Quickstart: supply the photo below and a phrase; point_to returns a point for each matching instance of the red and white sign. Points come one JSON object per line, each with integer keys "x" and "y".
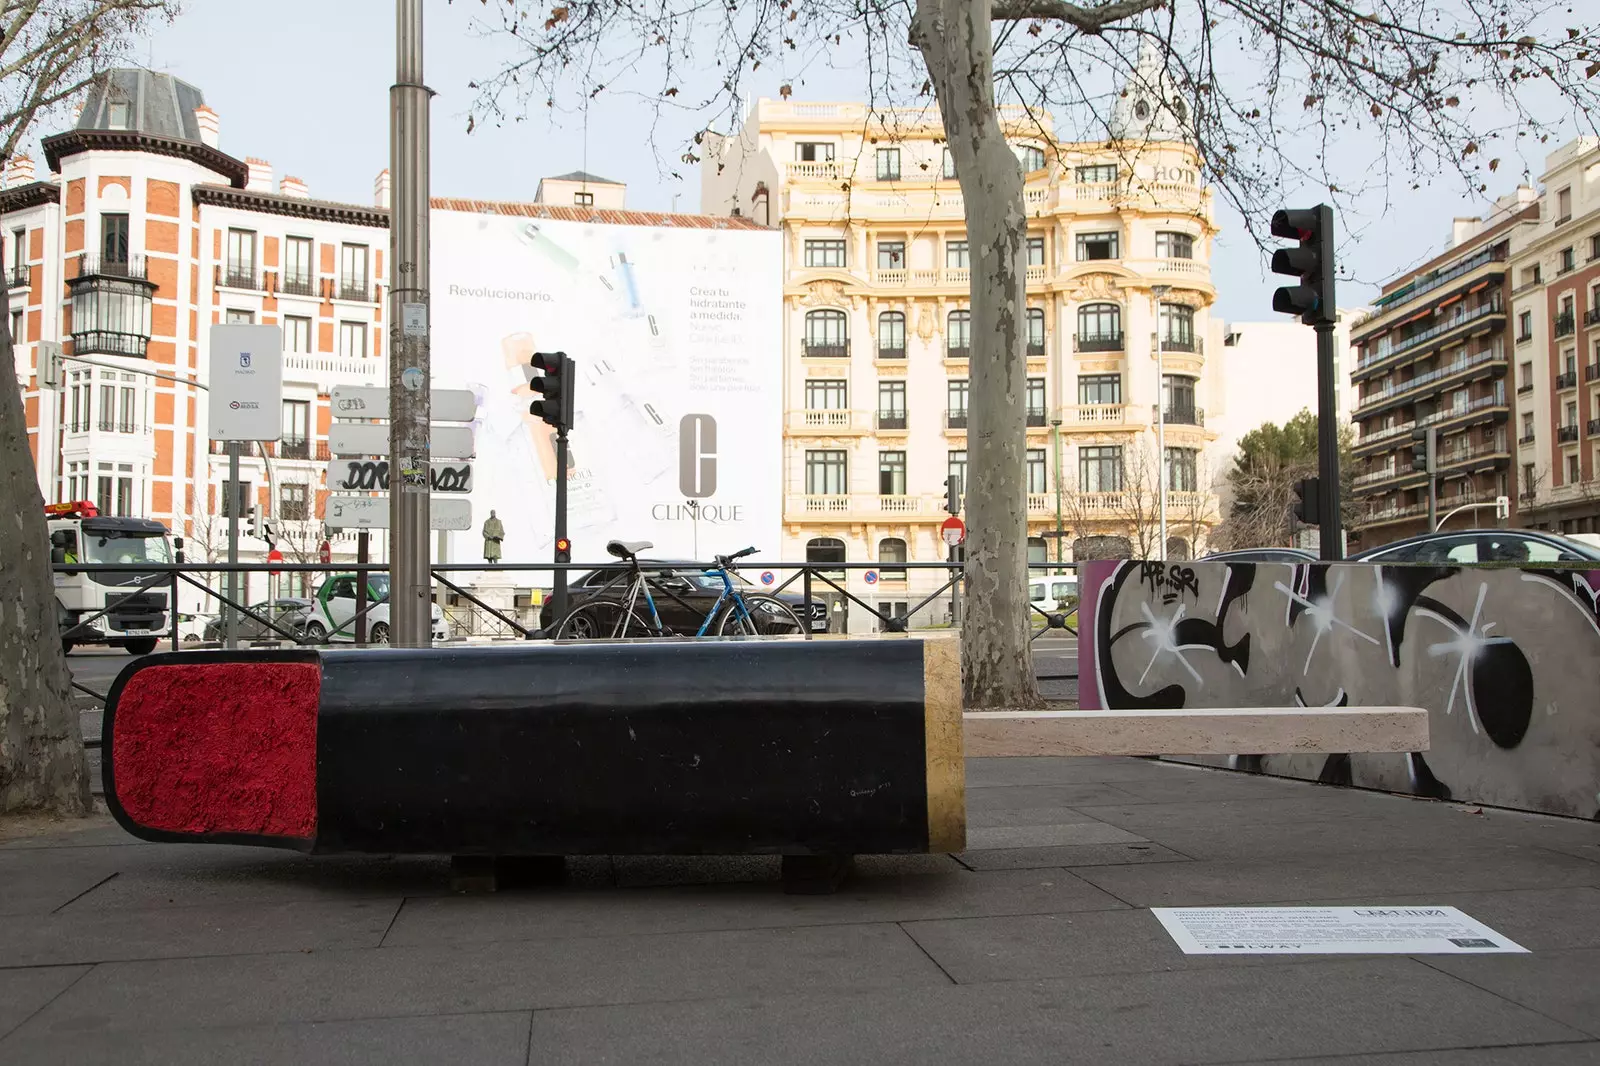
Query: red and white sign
{"x": 274, "y": 556}
{"x": 953, "y": 530}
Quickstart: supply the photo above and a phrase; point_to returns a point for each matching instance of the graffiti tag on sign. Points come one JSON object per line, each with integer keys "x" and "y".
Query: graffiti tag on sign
{"x": 1169, "y": 582}
{"x": 372, "y": 475}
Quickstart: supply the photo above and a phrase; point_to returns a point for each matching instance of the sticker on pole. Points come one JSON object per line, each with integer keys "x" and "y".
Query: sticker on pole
{"x": 953, "y": 530}
{"x": 768, "y": 577}
{"x": 1330, "y": 931}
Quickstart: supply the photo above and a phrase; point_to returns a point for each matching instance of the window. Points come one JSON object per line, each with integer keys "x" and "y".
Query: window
{"x": 1177, "y": 398}
{"x": 1097, "y": 245}
{"x": 1100, "y": 389}
{"x": 1569, "y": 260}
{"x": 128, "y": 410}
{"x": 891, "y": 255}
{"x": 1525, "y": 326}
{"x": 353, "y": 272}
{"x": 298, "y": 273}
{"x": 583, "y": 199}
{"x": 825, "y": 550}
{"x": 104, "y": 486}
{"x": 1181, "y": 470}
{"x": 113, "y": 239}
{"x": 891, "y": 559}
{"x": 297, "y": 333}
{"x": 1035, "y": 398}
{"x": 955, "y": 396}
{"x": 1100, "y": 468}
{"x": 888, "y": 164}
{"x": 353, "y": 340}
{"x": 828, "y": 253}
{"x": 892, "y": 473}
{"x": 1098, "y": 174}
{"x": 826, "y": 473}
{"x": 1563, "y": 205}
{"x": 891, "y": 405}
{"x": 1038, "y": 479}
{"x": 958, "y": 335}
{"x": 1573, "y": 475}
{"x": 957, "y": 468}
{"x": 294, "y": 502}
{"x": 948, "y": 170}
{"x": 955, "y": 254}
{"x": 16, "y": 327}
{"x": 296, "y": 441}
{"x": 233, "y": 316}
{"x": 1527, "y": 427}
{"x": 1099, "y": 327}
{"x": 814, "y": 152}
{"x": 1171, "y": 245}
{"x": 236, "y": 499}
{"x": 118, "y": 119}
{"x": 1031, "y": 158}
{"x": 108, "y": 408}
{"x": 825, "y": 395}
{"x": 825, "y": 333}
{"x": 892, "y": 335}
{"x": 1528, "y": 478}
{"x": 1035, "y": 331}
{"x": 1572, "y": 415}
{"x": 1177, "y": 326}
{"x": 125, "y": 502}
{"x": 1036, "y": 251}
{"x": 19, "y": 257}
{"x": 241, "y": 265}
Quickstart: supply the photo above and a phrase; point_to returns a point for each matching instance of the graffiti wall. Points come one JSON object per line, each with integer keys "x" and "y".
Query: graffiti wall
{"x": 1507, "y": 662}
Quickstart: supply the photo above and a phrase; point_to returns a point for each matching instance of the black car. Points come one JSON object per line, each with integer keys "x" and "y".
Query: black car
{"x": 1261, "y": 555}
{"x": 1482, "y": 546}
{"x": 683, "y": 592}
{"x": 290, "y": 613}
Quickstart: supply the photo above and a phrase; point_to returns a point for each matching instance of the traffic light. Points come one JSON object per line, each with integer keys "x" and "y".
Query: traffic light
{"x": 1306, "y": 507}
{"x": 952, "y": 494}
{"x": 1311, "y": 262}
{"x": 1424, "y": 450}
{"x": 563, "y": 550}
{"x": 556, "y": 386}
{"x": 252, "y": 522}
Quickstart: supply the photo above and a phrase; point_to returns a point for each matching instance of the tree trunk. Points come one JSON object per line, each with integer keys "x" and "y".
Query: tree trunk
{"x": 42, "y": 765}
{"x": 955, "y": 39}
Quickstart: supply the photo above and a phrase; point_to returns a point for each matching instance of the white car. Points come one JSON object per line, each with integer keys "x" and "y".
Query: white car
{"x": 333, "y": 617}
{"x": 1053, "y": 593}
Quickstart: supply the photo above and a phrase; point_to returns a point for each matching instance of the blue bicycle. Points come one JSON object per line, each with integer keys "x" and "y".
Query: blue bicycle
{"x": 632, "y": 612}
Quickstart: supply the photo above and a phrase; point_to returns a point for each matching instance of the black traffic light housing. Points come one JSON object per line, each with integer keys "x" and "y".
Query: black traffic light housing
{"x": 1424, "y": 448}
{"x": 1312, "y": 262}
{"x": 1306, "y": 506}
{"x": 563, "y": 550}
{"x": 555, "y": 385}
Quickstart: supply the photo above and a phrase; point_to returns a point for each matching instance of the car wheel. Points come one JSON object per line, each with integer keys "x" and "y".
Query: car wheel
{"x": 379, "y": 633}
{"x": 141, "y": 645}
{"x": 66, "y": 646}
{"x": 316, "y": 633}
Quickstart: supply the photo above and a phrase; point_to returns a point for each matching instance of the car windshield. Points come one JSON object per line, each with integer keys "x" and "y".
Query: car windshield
{"x": 111, "y": 546}
{"x": 379, "y": 584}
{"x": 711, "y": 582}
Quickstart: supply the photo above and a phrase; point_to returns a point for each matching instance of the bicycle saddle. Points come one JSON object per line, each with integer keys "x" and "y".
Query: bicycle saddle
{"x": 627, "y": 549}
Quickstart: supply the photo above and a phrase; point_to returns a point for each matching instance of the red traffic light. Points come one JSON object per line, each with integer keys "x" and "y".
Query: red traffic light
{"x": 563, "y": 544}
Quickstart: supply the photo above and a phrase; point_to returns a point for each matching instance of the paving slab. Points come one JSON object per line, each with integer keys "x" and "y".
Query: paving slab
{"x": 1188, "y": 1016}
{"x": 1010, "y": 797}
{"x": 1446, "y": 825}
{"x": 451, "y": 978}
{"x": 22, "y": 992}
{"x": 1011, "y": 816}
{"x": 478, "y": 1039}
{"x": 1069, "y": 856}
{"x": 1047, "y": 836}
{"x": 1571, "y": 1054}
{"x": 1564, "y": 985}
{"x": 1024, "y": 770}
{"x": 1297, "y": 807}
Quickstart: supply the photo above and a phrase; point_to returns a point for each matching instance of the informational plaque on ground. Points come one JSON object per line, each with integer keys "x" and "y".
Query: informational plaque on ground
{"x": 1330, "y": 931}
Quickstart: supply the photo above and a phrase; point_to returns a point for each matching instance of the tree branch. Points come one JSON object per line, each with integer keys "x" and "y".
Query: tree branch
{"x": 1087, "y": 19}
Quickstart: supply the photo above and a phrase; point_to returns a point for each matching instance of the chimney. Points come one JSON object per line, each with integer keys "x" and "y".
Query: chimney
{"x": 1462, "y": 230}
{"x": 210, "y": 125}
{"x": 292, "y": 186}
{"x": 380, "y": 189}
{"x": 260, "y": 175}
{"x": 19, "y": 171}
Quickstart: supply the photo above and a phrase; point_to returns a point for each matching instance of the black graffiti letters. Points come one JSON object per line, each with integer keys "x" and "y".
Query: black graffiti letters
{"x": 1169, "y": 582}
{"x": 372, "y": 475}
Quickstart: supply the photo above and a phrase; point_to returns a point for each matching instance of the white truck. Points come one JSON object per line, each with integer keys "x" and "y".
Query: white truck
{"x": 79, "y": 533}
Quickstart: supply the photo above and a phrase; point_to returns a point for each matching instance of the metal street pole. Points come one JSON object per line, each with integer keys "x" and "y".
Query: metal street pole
{"x": 230, "y": 617}
{"x": 409, "y": 371}
{"x": 1159, "y": 291}
{"x": 1328, "y": 445}
{"x": 1055, "y": 429}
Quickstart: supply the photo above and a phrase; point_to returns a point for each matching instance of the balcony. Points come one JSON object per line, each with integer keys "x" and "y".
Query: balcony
{"x": 112, "y": 425}
{"x": 1524, "y": 338}
{"x": 239, "y": 276}
{"x": 1525, "y": 440}
{"x": 826, "y": 349}
{"x": 1493, "y": 358}
{"x": 1095, "y": 416}
{"x": 1035, "y": 348}
{"x": 1592, "y": 427}
{"x": 1377, "y": 476}
{"x": 845, "y": 506}
{"x": 1592, "y": 372}
{"x": 356, "y": 290}
{"x": 1438, "y": 278}
{"x": 958, "y": 351}
{"x": 891, "y": 421}
{"x": 1433, "y": 333}
{"x": 111, "y": 307}
{"x": 1097, "y": 342}
{"x": 1398, "y": 513}
{"x": 1178, "y": 344}
{"x": 1036, "y": 417}
{"x": 826, "y": 422}
{"x": 955, "y": 419}
{"x": 1379, "y": 436}
{"x": 298, "y": 285}
{"x": 1565, "y": 325}
{"x": 132, "y": 266}
{"x": 293, "y": 448}
{"x": 1462, "y": 456}
{"x": 1567, "y": 434}
{"x": 1566, "y": 381}
{"x": 17, "y": 277}
{"x": 1525, "y": 388}
{"x": 1183, "y": 416}
{"x": 1591, "y": 317}
{"x": 893, "y": 354}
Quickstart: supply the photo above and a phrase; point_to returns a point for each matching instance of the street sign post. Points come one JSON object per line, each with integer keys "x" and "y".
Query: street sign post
{"x": 372, "y": 512}
{"x": 370, "y": 401}
{"x": 372, "y": 475}
{"x": 372, "y": 438}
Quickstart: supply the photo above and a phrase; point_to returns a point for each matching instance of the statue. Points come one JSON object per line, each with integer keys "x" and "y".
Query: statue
{"x": 493, "y": 534}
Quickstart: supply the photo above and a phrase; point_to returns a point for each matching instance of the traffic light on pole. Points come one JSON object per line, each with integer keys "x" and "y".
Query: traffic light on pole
{"x": 1311, "y": 262}
{"x": 563, "y": 550}
{"x": 1423, "y": 450}
{"x": 1306, "y": 507}
{"x": 555, "y": 385}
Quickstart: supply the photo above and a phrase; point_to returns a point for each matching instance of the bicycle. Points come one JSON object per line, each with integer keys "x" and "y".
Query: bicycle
{"x": 735, "y": 613}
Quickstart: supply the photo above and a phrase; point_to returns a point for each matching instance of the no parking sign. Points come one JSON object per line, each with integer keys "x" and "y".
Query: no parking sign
{"x": 872, "y": 577}
{"x": 768, "y": 577}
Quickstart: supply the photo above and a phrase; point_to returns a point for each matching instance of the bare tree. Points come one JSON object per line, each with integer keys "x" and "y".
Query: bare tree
{"x": 1262, "y": 90}
{"x": 50, "y": 51}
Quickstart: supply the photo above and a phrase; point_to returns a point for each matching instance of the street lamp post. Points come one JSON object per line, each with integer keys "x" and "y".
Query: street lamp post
{"x": 1055, "y": 430}
{"x": 1158, "y": 292}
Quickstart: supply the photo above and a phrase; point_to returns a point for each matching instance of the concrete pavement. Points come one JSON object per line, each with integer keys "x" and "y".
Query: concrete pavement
{"x": 1035, "y": 945}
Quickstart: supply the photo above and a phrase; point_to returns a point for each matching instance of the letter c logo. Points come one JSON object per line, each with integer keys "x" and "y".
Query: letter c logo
{"x": 697, "y": 456}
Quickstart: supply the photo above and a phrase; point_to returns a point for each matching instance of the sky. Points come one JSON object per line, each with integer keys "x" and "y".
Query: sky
{"x": 310, "y": 95}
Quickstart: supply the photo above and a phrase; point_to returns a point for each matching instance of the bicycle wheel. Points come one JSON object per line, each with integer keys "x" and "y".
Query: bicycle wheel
{"x": 601, "y": 620}
{"x": 768, "y": 617}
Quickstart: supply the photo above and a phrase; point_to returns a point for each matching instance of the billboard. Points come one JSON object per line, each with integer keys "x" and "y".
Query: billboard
{"x": 677, "y": 337}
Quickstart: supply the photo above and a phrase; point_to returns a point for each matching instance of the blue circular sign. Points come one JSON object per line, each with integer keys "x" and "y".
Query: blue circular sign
{"x": 872, "y": 577}
{"x": 768, "y": 577}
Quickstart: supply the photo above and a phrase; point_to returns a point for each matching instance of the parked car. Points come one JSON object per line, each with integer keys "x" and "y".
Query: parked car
{"x": 1055, "y": 592}
{"x": 192, "y": 627}
{"x": 1482, "y": 546}
{"x": 687, "y": 582}
{"x": 333, "y": 612}
{"x": 287, "y": 612}
{"x": 1262, "y": 555}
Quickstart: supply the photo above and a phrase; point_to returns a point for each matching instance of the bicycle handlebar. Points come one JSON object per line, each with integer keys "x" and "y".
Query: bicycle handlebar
{"x": 726, "y": 561}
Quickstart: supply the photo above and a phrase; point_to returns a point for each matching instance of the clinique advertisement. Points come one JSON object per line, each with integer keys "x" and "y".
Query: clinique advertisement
{"x": 676, "y": 334}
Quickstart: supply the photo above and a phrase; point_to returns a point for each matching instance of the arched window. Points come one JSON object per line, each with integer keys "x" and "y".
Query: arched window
{"x": 891, "y": 551}
{"x": 1032, "y": 158}
{"x": 1177, "y": 549}
{"x": 1035, "y": 331}
{"x": 1099, "y": 328}
{"x": 1177, "y": 327}
{"x": 892, "y": 335}
{"x": 825, "y": 551}
{"x": 827, "y": 333}
{"x": 1037, "y": 553}
{"x": 958, "y": 337}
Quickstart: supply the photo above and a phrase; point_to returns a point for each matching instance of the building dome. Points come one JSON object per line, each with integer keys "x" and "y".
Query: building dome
{"x": 1150, "y": 108}
{"x": 142, "y": 101}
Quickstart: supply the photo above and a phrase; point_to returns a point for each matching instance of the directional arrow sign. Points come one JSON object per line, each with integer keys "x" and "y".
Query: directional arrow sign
{"x": 366, "y": 401}
{"x": 365, "y": 438}
{"x": 372, "y": 475}
{"x": 372, "y": 512}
